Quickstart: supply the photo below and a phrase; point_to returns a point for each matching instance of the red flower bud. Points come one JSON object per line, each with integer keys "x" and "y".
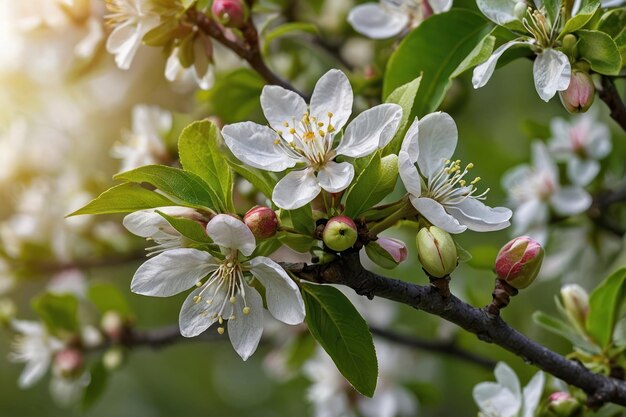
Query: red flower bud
{"x": 519, "y": 261}
{"x": 580, "y": 94}
{"x": 340, "y": 233}
{"x": 387, "y": 252}
{"x": 68, "y": 363}
{"x": 230, "y": 13}
{"x": 262, "y": 221}
{"x": 562, "y": 404}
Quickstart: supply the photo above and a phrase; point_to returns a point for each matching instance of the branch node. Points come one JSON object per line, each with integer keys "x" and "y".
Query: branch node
{"x": 441, "y": 284}
{"x": 501, "y": 297}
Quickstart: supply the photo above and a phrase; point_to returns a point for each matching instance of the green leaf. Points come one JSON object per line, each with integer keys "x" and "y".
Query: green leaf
{"x": 184, "y": 186}
{"x": 559, "y": 327}
{"x": 405, "y": 97}
{"x": 604, "y": 304}
{"x": 298, "y": 243}
{"x": 107, "y": 297}
{"x": 600, "y": 51}
{"x": 300, "y": 219}
{"x": 613, "y": 23}
{"x": 58, "y": 312}
{"x": 436, "y": 54}
{"x": 124, "y": 198}
{"x": 583, "y": 16}
{"x": 287, "y": 29}
{"x": 552, "y": 9}
{"x": 235, "y": 96}
{"x": 97, "y": 385}
{"x": 188, "y": 228}
{"x": 373, "y": 184}
{"x": 481, "y": 53}
{"x": 200, "y": 153}
{"x": 261, "y": 180}
{"x": 344, "y": 335}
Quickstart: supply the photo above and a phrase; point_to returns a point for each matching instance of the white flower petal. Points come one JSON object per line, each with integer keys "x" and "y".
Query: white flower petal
{"x": 543, "y": 162}
{"x": 246, "y": 329}
{"x": 34, "y": 370}
{"x": 507, "y": 378}
{"x": 529, "y": 215}
{"x": 437, "y": 140}
{"x": 582, "y": 171}
{"x": 171, "y": 272}
{"x": 281, "y": 293}
{"x": 516, "y": 176}
{"x": 570, "y": 200}
{"x": 281, "y": 105}
{"x": 410, "y": 143}
{"x": 27, "y": 327}
{"x": 552, "y": 72}
{"x": 437, "y": 215}
{"x": 332, "y": 94}
{"x": 196, "y": 317}
{"x": 440, "y": 6}
{"x": 532, "y": 394}
{"x": 484, "y": 71}
{"x": 335, "y": 177}
{"x": 229, "y": 232}
{"x": 409, "y": 175}
{"x": 479, "y": 217}
{"x": 147, "y": 223}
{"x": 256, "y": 146}
{"x": 123, "y": 42}
{"x": 296, "y": 189}
{"x": 205, "y": 79}
{"x": 377, "y": 22}
{"x": 500, "y": 12}
{"x": 370, "y": 130}
{"x": 495, "y": 400}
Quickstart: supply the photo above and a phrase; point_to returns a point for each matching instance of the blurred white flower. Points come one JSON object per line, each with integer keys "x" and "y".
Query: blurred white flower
{"x": 299, "y": 133}
{"x": 332, "y": 395}
{"x": 436, "y": 183}
{"x": 201, "y": 72}
{"x": 34, "y": 347}
{"x": 226, "y": 295}
{"x": 131, "y": 20}
{"x": 534, "y": 190}
{"x": 70, "y": 281}
{"x": 505, "y": 397}
{"x": 388, "y": 18}
{"x": 145, "y": 144}
{"x": 580, "y": 143}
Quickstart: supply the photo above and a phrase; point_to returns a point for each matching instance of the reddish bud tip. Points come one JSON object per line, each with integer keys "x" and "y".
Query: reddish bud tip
{"x": 262, "y": 221}
{"x": 580, "y": 94}
{"x": 230, "y": 13}
{"x": 68, "y": 363}
{"x": 519, "y": 261}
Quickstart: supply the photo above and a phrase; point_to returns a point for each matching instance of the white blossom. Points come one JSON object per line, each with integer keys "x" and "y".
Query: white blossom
{"x": 580, "y": 143}
{"x": 145, "y": 144}
{"x": 388, "y": 18}
{"x": 505, "y": 398}
{"x": 551, "y": 69}
{"x": 201, "y": 72}
{"x": 227, "y": 293}
{"x": 437, "y": 184}
{"x": 131, "y": 20}
{"x": 301, "y": 134}
{"x": 534, "y": 190}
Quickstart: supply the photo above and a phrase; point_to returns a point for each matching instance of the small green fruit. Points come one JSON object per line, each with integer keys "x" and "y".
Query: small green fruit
{"x": 340, "y": 233}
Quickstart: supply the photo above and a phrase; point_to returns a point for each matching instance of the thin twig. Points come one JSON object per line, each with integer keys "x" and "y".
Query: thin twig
{"x": 611, "y": 97}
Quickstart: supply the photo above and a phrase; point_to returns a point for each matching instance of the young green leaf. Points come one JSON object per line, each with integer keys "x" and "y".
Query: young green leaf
{"x": 583, "y": 16}
{"x": 107, "y": 297}
{"x": 185, "y": 186}
{"x": 559, "y": 327}
{"x": 124, "y": 198}
{"x": 373, "y": 184}
{"x": 405, "y": 97}
{"x": 300, "y": 219}
{"x": 58, "y": 312}
{"x": 288, "y": 29}
{"x": 435, "y": 54}
{"x": 344, "y": 335}
{"x": 600, "y": 51}
{"x": 200, "y": 153}
{"x": 604, "y": 304}
{"x": 188, "y": 228}
{"x": 261, "y": 180}
{"x": 97, "y": 385}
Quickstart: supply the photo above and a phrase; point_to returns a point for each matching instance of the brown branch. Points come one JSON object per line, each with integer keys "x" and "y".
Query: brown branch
{"x": 488, "y": 327}
{"x": 247, "y": 48}
{"x": 611, "y": 97}
{"x": 447, "y": 348}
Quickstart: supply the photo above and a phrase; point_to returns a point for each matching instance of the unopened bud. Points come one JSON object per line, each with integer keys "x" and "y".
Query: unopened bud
{"x": 580, "y": 94}
{"x": 569, "y": 45}
{"x": 386, "y": 252}
{"x": 230, "y": 13}
{"x": 68, "y": 363}
{"x": 561, "y": 404}
{"x": 519, "y": 261}
{"x": 113, "y": 358}
{"x": 436, "y": 251}
{"x": 340, "y": 233}
{"x": 112, "y": 325}
{"x": 262, "y": 222}
{"x": 576, "y": 303}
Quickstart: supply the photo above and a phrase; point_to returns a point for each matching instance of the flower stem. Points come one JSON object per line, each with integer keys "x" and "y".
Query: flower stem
{"x": 405, "y": 210}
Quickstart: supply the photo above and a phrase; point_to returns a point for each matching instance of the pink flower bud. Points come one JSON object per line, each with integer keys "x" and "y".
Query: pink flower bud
{"x": 113, "y": 325}
{"x": 386, "y": 252}
{"x": 519, "y": 261}
{"x": 262, "y": 221}
{"x": 562, "y": 404}
{"x": 230, "y": 13}
{"x": 340, "y": 233}
{"x": 68, "y": 363}
{"x": 580, "y": 94}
